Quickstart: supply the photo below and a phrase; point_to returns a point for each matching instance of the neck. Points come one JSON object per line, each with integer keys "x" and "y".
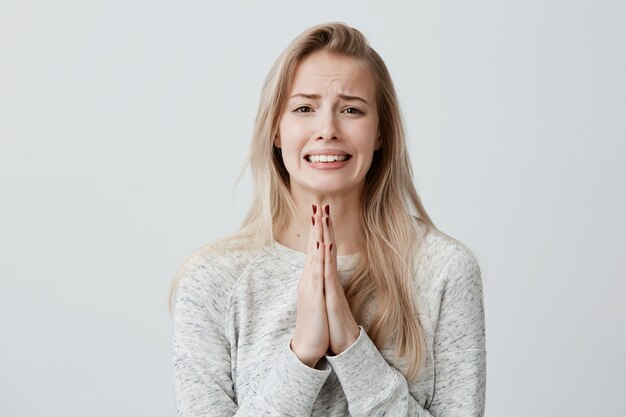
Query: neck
{"x": 345, "y": 213}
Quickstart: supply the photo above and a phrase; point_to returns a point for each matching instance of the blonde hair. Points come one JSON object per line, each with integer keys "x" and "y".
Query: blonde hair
{"x": 391, "y": 208}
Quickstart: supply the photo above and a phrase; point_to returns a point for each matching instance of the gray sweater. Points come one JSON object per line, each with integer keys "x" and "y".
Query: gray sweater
{"x": 234, "y": 318}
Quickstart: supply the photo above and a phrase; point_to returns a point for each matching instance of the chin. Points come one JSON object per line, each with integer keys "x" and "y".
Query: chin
{"x": 330, "y": 188}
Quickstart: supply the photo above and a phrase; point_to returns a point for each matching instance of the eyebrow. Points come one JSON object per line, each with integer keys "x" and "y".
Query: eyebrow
{"x": 341, "y": 96}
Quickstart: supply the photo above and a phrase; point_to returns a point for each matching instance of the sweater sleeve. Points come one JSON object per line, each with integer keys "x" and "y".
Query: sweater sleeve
{"x": 459, "y": 347}
{"x": 373, "y": 387}
{"x": 202, "y": 364}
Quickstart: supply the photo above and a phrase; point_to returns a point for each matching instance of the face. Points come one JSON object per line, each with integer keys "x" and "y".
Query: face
{"x": 329, "y": 127}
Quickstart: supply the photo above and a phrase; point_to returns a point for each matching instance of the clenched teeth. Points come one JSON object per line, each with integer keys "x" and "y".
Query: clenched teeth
{"x": 326, "y": 158}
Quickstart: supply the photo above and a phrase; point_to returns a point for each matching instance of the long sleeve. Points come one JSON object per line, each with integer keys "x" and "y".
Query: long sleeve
{"x": 375, "y": 388}
{"x": 202, "y": 362}
{"x": 459, "y": 346}
{"x": 372, "y": 386}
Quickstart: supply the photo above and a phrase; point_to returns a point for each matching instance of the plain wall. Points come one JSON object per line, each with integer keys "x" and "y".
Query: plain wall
{"x": 123, "y": 126}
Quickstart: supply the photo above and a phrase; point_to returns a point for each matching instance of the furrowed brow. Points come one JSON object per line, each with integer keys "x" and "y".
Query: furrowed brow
{"x": 352, "y": 98}
{"x": 341, "y": 96}
{"x": 310, "y": 96}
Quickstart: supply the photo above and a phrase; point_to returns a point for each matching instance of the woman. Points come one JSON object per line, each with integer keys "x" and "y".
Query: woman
{"x": 337, "y": 296}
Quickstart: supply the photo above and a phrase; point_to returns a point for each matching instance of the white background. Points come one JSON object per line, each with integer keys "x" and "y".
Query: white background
{"x": 123, "y": 125}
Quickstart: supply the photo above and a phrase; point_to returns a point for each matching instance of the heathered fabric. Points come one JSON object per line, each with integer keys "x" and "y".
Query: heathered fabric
{"x": 234, "y": 318}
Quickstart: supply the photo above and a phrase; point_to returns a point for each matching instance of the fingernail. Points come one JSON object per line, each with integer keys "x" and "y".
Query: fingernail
{"x": 327, "y": 208}
{"x": 314, "y": 208}
{"x": 331, "y": 248}
{"x": 318, "y": 245}
{"x": 313, "y": 220}
{"x": 327, "y": 218}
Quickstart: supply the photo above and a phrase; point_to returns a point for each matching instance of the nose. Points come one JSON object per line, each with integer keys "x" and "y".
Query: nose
{"x": 327, "y": 127}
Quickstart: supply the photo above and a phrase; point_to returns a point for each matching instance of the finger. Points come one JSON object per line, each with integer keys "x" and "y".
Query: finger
{"x": 329, "y": 235}
{"x": 318, "y": 243}
{"x": 330, "y": 270}
{"x": 310, "y": 253}
{"x": 331, "y": 229}
{"x": 330, "y": 258}
{"x": 318, "y": 266}
{"x": 318, "y": 230}
{"x": 325, "y": 235}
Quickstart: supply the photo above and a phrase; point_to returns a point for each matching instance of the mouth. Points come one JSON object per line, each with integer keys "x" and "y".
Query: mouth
{"x": 328, "y": 161}
{"x": 314, "y": 159}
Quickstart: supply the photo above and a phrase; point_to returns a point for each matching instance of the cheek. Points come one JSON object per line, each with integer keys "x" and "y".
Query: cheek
{"x": 290, "y": 146}
{"x": 367, "y": 135}
{"x": 286, "y": 132}
{"x": 292, "y": 136}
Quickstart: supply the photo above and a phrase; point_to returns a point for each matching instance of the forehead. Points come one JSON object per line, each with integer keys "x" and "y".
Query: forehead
{"x": 323, "y": 72}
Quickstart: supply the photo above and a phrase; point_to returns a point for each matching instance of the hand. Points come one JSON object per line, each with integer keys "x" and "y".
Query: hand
{"x": 310, "y": 340}
{"x": 343, "y": 328}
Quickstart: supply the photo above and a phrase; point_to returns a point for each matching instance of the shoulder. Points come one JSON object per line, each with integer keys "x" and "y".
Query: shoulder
{"x": 443, "y": 261}
{"x": 442, "y": 250}
{"x": 450, "y": 292}
{"x": 213, "y": 269}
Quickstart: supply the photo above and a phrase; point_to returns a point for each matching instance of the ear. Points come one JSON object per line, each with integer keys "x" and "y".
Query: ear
{"x": 277, "y": 141}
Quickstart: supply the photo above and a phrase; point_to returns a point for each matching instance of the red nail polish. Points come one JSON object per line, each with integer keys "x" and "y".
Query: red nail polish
{"x": 318, "y": 245}
{"x": 313, "y": 220}
{"x": 314, "y": 208}
{"x": 331, "y": 248}
{"x": 327, "y": 208}
{"x": 327, "y": 219}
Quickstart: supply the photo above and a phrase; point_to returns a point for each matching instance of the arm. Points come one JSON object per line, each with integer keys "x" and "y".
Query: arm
{"x": 202, "y": 366}
{"x": 459, "y": 347}
{"x": 374, "y": 388}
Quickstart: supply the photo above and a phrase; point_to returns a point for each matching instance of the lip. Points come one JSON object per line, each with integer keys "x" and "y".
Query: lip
{"x": 326, "y": 151}
{"x": 327, "y": 165}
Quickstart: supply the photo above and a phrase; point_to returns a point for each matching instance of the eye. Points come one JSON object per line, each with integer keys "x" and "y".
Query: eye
{"x": 353, "y": 110}
{"x": 303, "y": 109}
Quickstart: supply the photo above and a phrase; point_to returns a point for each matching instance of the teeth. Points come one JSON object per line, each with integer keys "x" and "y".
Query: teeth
{"x": 327, "y": 158}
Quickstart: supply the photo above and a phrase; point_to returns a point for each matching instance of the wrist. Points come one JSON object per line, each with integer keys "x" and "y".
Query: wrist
{"x": 351, "y": 338}
{"x": 308, "y": 360}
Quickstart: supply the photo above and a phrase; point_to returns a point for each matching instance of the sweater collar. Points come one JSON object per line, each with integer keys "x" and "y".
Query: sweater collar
{"x": 292, "y": 256}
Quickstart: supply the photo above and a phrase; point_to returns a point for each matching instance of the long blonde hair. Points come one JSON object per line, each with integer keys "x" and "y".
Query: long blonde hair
{"x": 391, "y": 208}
